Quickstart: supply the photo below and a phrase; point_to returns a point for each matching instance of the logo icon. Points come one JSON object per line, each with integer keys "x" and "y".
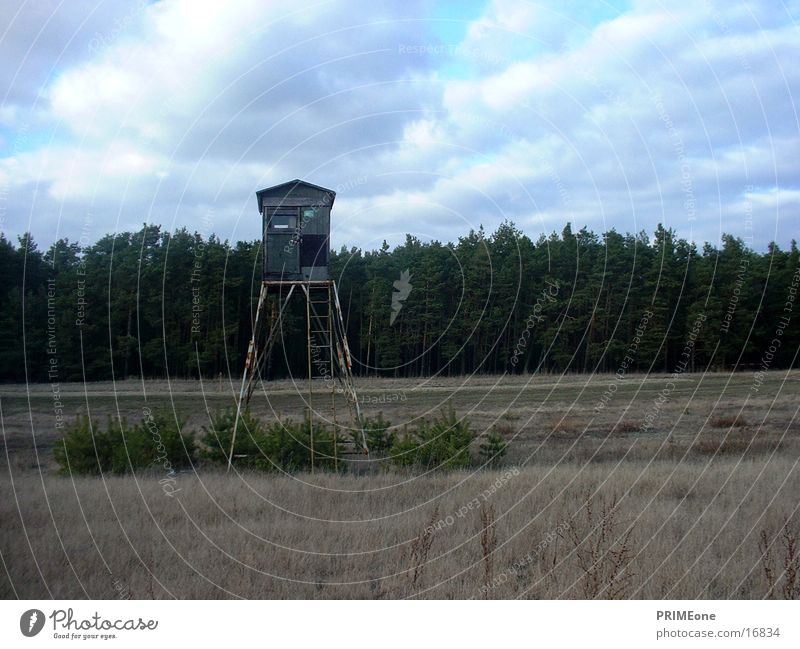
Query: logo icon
{"x": 402, "y": 289}
{"x": 31, "y": 622}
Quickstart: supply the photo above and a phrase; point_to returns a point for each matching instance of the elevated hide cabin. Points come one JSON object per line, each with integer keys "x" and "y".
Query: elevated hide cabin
{"x": 296, "y": 219}
{"x": 296, "y": 226}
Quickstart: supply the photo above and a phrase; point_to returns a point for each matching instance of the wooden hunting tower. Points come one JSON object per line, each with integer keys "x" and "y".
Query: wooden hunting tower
{"x": 296, "y": 218}
{"x": 296, "y": 228}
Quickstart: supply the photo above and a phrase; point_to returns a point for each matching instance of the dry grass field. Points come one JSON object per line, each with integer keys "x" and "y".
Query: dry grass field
{"x": 689, "y": 491}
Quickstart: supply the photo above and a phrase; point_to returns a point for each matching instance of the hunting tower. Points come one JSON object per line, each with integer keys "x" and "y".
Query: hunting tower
{"x": 296, "y": 228}
{"x": 296, "y": 219}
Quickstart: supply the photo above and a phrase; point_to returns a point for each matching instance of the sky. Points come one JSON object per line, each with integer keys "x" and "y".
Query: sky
{"x": 427, "y": 118}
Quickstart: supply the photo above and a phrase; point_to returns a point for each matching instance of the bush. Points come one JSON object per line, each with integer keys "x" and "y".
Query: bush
{"x": 216, "y": 439}
{"x": 443, "y": 443}
{"x": 157, "y": 442}
{"x": 84, "y": 449}
{"x": 493, "y": 449}
{"x": 379, "y": 439}
{"x": 288, "y": 447}
{"x": 282, "y": 446}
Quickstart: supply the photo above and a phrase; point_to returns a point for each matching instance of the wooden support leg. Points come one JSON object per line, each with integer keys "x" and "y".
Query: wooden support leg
{"x": 248, "y": 366}
{"x": 346, "y": 368}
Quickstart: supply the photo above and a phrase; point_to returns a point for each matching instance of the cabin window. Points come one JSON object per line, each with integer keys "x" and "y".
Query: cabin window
{"x": 283, "y": 219}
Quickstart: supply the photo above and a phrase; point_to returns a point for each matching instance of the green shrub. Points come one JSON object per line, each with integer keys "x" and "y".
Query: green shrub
{"x": 282, "y": 446}
{"x": 288, "y": 447}
{"x": 493, "y": 449}
{"x": 379, "y": 439}
{"x": 84, "y": 449}
{"x": 156, "y": 442}
{"x": 406, "y": 450}
{"x": 443, "y": 443}
{"x": 216, "y": 439}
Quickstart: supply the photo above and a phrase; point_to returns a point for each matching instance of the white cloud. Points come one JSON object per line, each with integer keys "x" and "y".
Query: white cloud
{"x": 555, "y": 114}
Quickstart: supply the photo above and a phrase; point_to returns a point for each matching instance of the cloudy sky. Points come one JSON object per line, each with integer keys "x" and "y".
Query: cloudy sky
{"x": 427, "y": 117}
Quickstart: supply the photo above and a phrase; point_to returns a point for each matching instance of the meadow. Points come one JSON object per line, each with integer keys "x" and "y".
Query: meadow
{"x": 656, "y": 486}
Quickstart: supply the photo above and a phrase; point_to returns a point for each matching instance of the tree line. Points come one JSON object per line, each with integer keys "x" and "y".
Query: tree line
{"x": 153, "y": 303}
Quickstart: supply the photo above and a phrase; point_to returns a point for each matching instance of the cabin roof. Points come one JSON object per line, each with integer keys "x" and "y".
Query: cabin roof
{"x": 290, "y": 186}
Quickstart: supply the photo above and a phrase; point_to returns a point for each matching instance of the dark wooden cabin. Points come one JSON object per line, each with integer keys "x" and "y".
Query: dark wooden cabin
{"x": 296, "y": 227}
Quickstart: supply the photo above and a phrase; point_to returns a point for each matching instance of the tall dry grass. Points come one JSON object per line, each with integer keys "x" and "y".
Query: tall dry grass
{"x": 643, "y": 528}
{"x": 702, "y": 505}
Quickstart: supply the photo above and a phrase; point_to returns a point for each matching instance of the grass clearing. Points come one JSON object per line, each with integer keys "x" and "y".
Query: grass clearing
{"x": 591, "y": 508}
